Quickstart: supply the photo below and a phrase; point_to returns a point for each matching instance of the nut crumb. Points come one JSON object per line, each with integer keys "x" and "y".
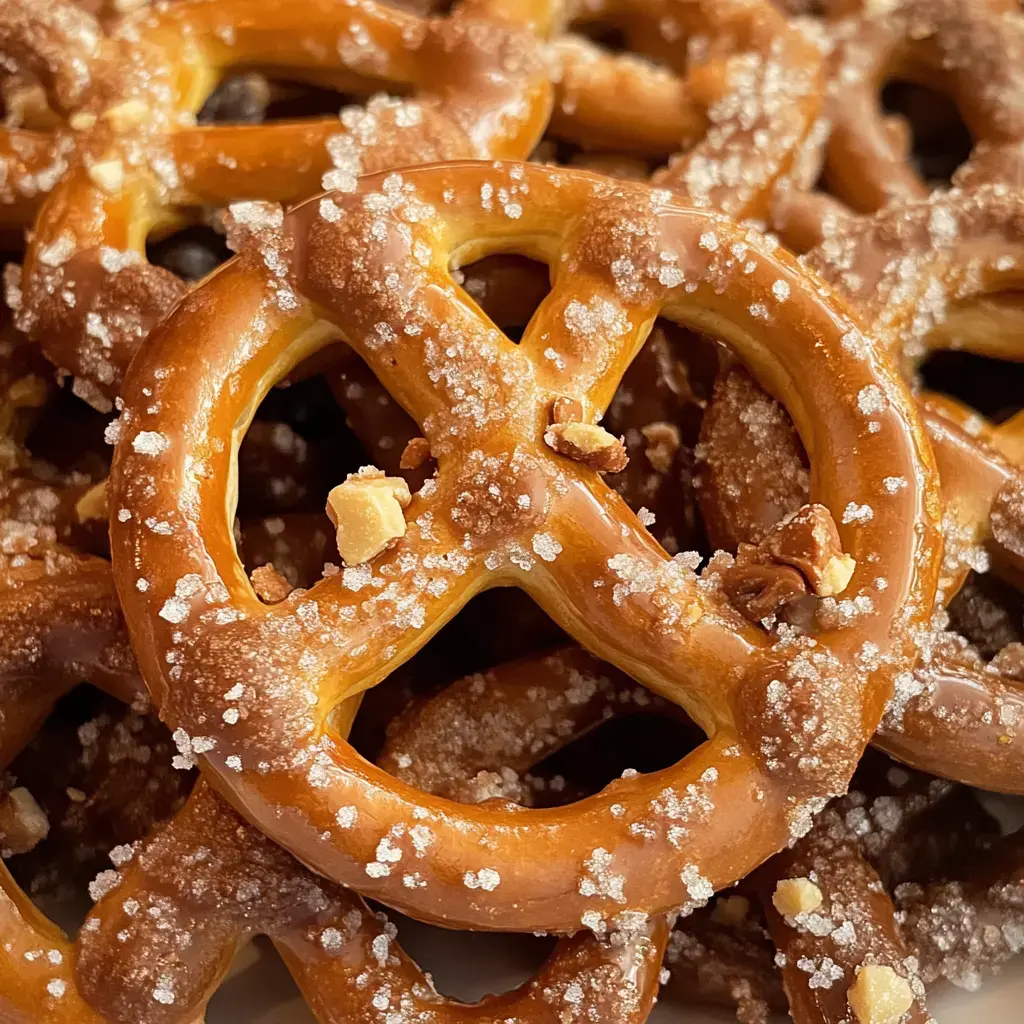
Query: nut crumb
{"x": 415, "y": 453}
{"x": 590, "y": 444}
{"x": 269, "y": 584}
{"x": 663, "y": 441}
{"x": 879, "y": 995}
{"x": 794, "y": 896}
{"x": 367, "y": 512}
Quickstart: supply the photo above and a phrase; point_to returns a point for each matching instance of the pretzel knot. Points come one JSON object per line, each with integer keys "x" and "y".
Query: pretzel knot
{"x": 136, "y": 164}
{"x": 251, "y": 688}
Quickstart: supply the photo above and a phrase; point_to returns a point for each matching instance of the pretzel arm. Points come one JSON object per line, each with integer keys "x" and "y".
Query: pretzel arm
{"x": 90, "y": 296}
{"x": 960, "y": 721}
{"x": 279, "y": 162}
{"x": 66, "y": 619}
{"x": 372, "y": 40}
{"x": 599, "y": 94}
{"x": 818, "y": 970}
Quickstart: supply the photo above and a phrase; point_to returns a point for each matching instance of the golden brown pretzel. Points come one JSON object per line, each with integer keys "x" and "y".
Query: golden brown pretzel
{"x": 827, "y": 901}
{"x": 929, "y": 274}
{"x": 974, "y": 50}
{"x": 970, "y": 49}
{"x": 132, "y": 963}
{"x": 740, "y": 102}
{"x": 89, "y": 296}
{"x": 526, "y": 517}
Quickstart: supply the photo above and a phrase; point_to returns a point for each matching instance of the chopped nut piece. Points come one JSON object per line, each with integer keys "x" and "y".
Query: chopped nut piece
{"x": 809, "y": 541}
{"x": 566, "y": 410}
{"x": 663, "y": 442}
{"x": 836, "y": 575}
{"x": 22, "y": 822}
{"x": 269, "y": 584}
{"x": 590, "y": 444}
{"x": 108, "y": 175}
{"x": 796, "y": 896}
{"x": 127, "y": 115}
{"x": 730, "y": 910}
{"x": 879, "y": 995}
{"x": 758, "y": 591}
{"x": 93, "y": 504}
{"x": 416, "y": 452}
{"x": 82, "y": 121}
{"x": 367, "y": 512}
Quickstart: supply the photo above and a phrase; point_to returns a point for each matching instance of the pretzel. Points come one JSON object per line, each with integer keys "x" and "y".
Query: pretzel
{"x": 500, "y": 413}
{"x": 842, "y": 954}
{"x": 927, "y": 274}
{"x": 741, "y": 101}
{"x": 88, "y": 295}
{"x": 969, "y": 50}
{"x": 238, "y": 884}
{"x": 966, "y": 927}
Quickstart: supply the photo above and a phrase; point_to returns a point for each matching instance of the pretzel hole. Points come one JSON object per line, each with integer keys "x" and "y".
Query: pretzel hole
{"x": 645, "y": 741}
{"x": 102, "y": 775}
{"x": 295, "y": 450}
{"x": 254, "y": 98}
{"x": 258, "y": 980}
{"x": 939, "y": 139}
{"x": 992, "y": 386}
{"x": 989, "y": 613}
{"x": 657, "y": 408}
{"x": 191, "y": 253}
{"x": 500, "y": 962}
{"x": 507, "y": 287}
{"x": 495, "y": 627}
{"x": 604, "y": 34}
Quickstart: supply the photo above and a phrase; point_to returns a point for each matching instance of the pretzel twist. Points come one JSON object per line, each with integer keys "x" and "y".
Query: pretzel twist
{"x": 482, "y": 403}
{"x": 139, "y": 163}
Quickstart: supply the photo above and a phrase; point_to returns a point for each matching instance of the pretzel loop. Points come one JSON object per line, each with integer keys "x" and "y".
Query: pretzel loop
{"x": 371, "y": 267}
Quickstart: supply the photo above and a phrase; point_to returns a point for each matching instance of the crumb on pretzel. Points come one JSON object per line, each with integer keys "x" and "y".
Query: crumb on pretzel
{"x": 795, "y": 896}
{"x": 590, "y": 444}
{"x": 367, "y": 512}
{"x": 879, "y": 995}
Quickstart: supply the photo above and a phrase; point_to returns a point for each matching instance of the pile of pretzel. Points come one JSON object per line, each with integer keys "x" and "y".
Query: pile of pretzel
{"x": 587, "y": 503}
